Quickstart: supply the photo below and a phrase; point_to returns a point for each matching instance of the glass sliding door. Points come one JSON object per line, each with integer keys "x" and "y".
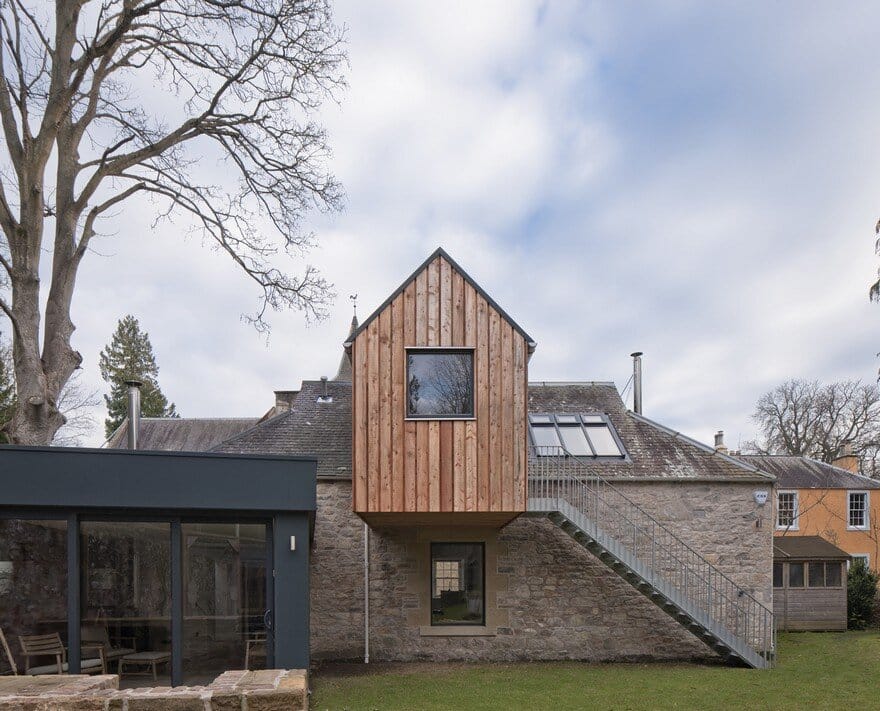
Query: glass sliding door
{"x": 224, "y": 598}
{"x": 126, "y": 596}
{"x": 33, "y": 586}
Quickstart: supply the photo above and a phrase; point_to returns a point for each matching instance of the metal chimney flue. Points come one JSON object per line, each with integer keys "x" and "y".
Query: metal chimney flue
{"x": 324, "y": 396}
{"x": 134, "y": 412}
{"x": 637, "y": 382}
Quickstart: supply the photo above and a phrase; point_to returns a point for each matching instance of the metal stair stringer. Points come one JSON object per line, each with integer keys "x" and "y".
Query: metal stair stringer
{"x": 732, "y": 647}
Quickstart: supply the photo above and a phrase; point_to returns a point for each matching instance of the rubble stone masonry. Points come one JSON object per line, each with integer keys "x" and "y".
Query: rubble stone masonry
{"x": 547, "y": 597}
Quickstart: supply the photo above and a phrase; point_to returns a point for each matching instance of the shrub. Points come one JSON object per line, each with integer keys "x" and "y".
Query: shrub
{"x": 861, "y": 589}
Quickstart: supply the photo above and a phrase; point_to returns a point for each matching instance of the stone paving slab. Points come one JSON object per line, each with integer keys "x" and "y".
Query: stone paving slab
{"x": 264, "y": 690}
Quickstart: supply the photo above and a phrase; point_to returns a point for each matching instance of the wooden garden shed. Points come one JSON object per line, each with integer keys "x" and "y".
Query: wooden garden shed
{"x": 809, "y": 584}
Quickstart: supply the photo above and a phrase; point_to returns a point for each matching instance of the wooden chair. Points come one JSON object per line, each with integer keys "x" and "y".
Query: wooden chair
{"x": 97, "y": 635}
{"x": 255, "y": 646}
{"x": 50, "y": 645}
{"x": 4, "y": 648}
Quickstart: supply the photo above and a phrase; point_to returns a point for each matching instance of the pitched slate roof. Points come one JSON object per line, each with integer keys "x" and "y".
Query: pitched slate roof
{"x": 311, "y": 426}
{"x": 181, "y": 434}
{"x": 806, "y": 547}
{"x": 654, "y": 451}
{"x": 804, "y": 473}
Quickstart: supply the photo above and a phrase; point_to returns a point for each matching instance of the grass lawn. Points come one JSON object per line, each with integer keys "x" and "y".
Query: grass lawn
{"x": 815, "y": 671}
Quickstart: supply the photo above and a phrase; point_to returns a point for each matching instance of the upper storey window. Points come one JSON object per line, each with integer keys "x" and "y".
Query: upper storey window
{"x": 440, "y": 383}
{"x": 576, "y": 435}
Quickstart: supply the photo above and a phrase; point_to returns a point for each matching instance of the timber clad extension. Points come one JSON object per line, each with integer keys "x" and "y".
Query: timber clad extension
{"x": 470, "y": 468}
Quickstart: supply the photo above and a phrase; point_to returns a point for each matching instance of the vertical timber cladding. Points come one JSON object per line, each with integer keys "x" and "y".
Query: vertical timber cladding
{"x": 434, "y": 466}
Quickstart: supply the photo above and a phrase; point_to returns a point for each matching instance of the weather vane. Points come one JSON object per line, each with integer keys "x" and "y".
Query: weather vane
{"x": 354, "y": 303}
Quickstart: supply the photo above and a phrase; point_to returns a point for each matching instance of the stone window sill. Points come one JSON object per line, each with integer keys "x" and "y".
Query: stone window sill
{"x": 453, "y": 631}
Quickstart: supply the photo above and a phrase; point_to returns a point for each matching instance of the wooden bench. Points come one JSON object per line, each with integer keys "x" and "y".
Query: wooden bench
{"x": 148, "y": 659}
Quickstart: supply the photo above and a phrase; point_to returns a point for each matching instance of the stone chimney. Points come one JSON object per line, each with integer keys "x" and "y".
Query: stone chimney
{"x": 720, "y": 447}
{"x": 847, "y": 459}
{"x": 284, "y": 401}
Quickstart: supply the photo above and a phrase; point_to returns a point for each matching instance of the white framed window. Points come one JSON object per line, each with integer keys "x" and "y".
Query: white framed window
{"x": 859, "y": 556}
{"x": 787, "y": 510}
{"x": 447, "y": 575}
{"x": 857, "y": 511}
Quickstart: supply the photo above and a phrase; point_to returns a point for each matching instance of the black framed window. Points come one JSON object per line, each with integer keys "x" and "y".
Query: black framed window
{"x": 458, "y": 576}
{"x": 590, "y": 435}
{"x": 440, "y": 383}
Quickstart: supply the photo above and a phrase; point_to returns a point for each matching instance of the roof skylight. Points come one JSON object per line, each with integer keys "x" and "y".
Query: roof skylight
{"x": 587, "y": 435}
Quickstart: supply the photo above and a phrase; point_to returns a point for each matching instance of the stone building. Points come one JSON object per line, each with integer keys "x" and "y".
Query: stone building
{"x": 464, "y": 513}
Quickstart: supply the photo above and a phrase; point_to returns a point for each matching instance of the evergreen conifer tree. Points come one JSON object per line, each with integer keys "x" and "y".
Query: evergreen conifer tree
{"x": 861, "y": 594}
{"x": 129, "y": 356}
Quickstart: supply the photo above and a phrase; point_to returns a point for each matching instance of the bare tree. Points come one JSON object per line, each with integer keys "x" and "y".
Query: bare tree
{"x": 810, "y": 419}
{"x": 77, "y": 405}
{"x": 874, "y": 291}
{"x": 242, "y": 80}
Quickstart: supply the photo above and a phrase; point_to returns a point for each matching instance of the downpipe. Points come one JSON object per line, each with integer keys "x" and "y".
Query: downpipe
{"x": 366, "y": 594}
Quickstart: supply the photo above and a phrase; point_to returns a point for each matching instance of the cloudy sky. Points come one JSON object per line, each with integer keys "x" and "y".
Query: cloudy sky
{"x": 694, "y": 180}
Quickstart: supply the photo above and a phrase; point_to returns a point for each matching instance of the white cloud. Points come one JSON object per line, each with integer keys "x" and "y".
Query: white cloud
{"x": 688, "y": 180}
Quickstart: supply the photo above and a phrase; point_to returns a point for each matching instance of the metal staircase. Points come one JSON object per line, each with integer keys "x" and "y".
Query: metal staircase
{"x": 652, "y": 559}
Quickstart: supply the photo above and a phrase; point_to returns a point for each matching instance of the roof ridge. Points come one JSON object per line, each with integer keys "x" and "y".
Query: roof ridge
{"x": 701, "y": 445}
{"x": 836, "y": 468}
{"x": 184, "y": 419}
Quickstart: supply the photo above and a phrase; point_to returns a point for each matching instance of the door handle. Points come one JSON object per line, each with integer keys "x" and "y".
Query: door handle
{"x": 267, "y": 619}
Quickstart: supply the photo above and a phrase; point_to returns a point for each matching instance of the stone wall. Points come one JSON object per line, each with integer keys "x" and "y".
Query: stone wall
{"x": 337, "y": 576}
{"x": 546, "y": 596}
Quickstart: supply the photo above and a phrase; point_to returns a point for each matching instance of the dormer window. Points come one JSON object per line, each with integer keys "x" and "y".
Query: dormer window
{"x": 586, "y": 435}
{"x": 440, "y": 383}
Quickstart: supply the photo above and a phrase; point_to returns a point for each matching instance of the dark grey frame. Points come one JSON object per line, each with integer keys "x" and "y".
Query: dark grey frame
{"x": 605, "y": 419}
{"x": 438, "y": 350}
{"x": 482, "y": 545}
{"x": 87, "y": 484}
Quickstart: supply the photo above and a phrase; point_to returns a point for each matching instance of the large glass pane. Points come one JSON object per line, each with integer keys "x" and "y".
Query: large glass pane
{"x": 832, "y": 575}
{"x": 440, "y": 383}
{"x": 593, "y": 419}
{"x": 457, "y": 584}
{"x": 33, "y": 587}
{"x": 817, "y": 575}
{"x": 546, "y": 440}
{"x": 603, "y": 441}
{"x": 566, "y": 419}
{"x": 795, "y": 575}
{"x": 574, "y": 441}
{"x": 126, "y": 596}
{"x": 224, "y": 598}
